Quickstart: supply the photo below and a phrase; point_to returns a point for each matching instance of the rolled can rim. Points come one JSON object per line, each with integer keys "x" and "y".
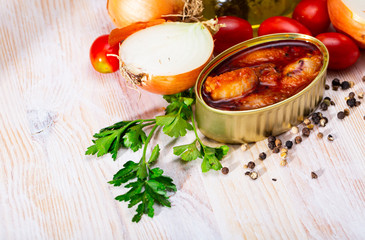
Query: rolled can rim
{"x": 253, "y": 42}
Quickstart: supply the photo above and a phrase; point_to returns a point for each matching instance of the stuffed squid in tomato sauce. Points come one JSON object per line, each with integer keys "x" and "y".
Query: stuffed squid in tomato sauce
{"x": 262, "y": 75}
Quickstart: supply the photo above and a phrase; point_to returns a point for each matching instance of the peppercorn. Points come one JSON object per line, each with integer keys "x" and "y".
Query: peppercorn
{"x": 284, "y": 150}
{"x": 271, "y": 145}
{"x": 276, "y": 150}
{"x": 323, "y": 106}
{"x": 314, "y": 175}
{"x": 330, "y": 138}
{"x": 320, "y": 115}
{"x": 310, "y": 126}
{"x": 336, "y": 82}
{"x": 320, "y": 135}
{"x": 298, "y": 139}
{"x": 351, "y": 95}
{"x": 307, "y": 121}
{"x": 283, "y": 155}
{"x": 289, "y": 144}
{"x": 327, "y": 102}
{"x": 262, "y": 156}
{"x": 352, "y": 84}
{"x": 363, "y": 78}
{"x": 247, "y": 173}
{"x": 333, "y": 103}
{"x": 326, "y": 87}
{"x": 341, "y": 115}
{"x": 358, "y": 103}
{"x": 254, "y": 175}
{"x": 346, "y": 111}
{"x": 244, "y": 147}
{"x": 225, "y": 170}
{"x": 327, "y": 98}
{"x": 306, "y": 132}
{"x": 283, "y": 162}
{"x": 271, "y": 139}
{"x": 335, "y": 88}
{"x": 251, "y": 165}
{"x": 351, "y": 102}
{"x": 361, "y": 95}
{"x": 316, "y": 120}
{"x": 345, "y": 85}
{"x": 294, "y": 130}
{"x": 278, "y": 143}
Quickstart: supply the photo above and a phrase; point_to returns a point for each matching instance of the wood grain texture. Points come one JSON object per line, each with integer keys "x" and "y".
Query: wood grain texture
{"x": 52, "y": 101}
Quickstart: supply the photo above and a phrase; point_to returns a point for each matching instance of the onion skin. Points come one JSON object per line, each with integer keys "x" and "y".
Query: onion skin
{"x": 166, "y": 85}
{"x": 126, "y": 12}
{"x": 343, "y": 20}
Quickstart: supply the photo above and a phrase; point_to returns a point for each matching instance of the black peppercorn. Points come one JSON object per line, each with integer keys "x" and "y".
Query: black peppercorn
{"x": 326, "y": 87}
{"x": 333, "y": 103}
{"x": 262, "y": 156}
{"x": 225, "y": 170}
{"x": 306, "y": 132}
{"x": 341, "y": 115}
{"x": 314, "y": 115}
{"x": 271, "y": 145}
{"x": 357, "y": 103}
{"x": 336, "y": 82}
{"x": 251, "y": 165}
{"x": 323, "y": 106}
{"x": 289, "y": 144}
{"x": 345, "y": 85}
{"x": 316, "y": 120}
{"x": 271, "y": 139}
{"x": 351, "y": 95}
{"x": 335, "y": 88}
{"x": 351, "y": 102}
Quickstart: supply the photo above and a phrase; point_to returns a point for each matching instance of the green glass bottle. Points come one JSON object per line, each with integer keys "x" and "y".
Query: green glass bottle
{"x": 255, "y": 11}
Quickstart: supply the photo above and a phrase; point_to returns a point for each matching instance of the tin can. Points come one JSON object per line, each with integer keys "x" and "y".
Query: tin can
{"x": 257, "y": 124}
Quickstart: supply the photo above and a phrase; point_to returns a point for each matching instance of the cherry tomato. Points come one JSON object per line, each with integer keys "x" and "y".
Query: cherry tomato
{"x": 236, "y": 30}
{"x": 313, "y": 14}
{"x": 342, "y": 50}
{"x": 281, "y": 25}
{"x": 98, "y": 55}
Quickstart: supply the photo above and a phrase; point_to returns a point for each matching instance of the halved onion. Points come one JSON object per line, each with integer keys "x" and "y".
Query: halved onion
{"x": 348, "y": 16}
{"x": 166, "y": 58}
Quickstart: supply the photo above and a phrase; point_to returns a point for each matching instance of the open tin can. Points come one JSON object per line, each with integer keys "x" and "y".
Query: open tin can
{"x": 257, "y": 124}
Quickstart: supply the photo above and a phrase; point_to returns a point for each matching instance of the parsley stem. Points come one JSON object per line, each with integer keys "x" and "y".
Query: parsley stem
{"x": 195, "y": 130}
{"x": 146, "y": 143}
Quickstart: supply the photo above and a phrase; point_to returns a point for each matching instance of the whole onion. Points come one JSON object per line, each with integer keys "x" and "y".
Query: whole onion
{"x": 126, "y": 12}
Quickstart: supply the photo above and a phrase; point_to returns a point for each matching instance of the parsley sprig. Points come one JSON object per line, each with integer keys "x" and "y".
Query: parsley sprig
{"x": 148, "y": 186}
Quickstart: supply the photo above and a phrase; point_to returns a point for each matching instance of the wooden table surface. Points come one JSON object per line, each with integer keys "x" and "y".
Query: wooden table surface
{"x": 52, "y": 101}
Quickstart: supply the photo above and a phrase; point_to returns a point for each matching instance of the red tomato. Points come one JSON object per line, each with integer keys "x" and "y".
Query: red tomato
{"x": 313, "y": 14}
{"x": 342, "y": 50}
{"x": 281, "y": 25}
{"x": 98, "y": 55}
{"x": 236, "y": 30}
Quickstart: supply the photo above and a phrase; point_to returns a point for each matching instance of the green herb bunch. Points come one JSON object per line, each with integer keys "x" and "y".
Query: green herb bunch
{"x": 148, "y": 186}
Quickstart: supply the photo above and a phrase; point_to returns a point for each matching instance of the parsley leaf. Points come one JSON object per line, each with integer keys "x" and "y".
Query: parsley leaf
{"x": 212, "y": 157}
{"x": 188, "y": 152}
{"x": 122, "y": 134}
{"x": 174, "y": 125}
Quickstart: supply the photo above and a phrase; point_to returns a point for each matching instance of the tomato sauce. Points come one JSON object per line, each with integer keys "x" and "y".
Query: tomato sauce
{"x": 262, "y": 75}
